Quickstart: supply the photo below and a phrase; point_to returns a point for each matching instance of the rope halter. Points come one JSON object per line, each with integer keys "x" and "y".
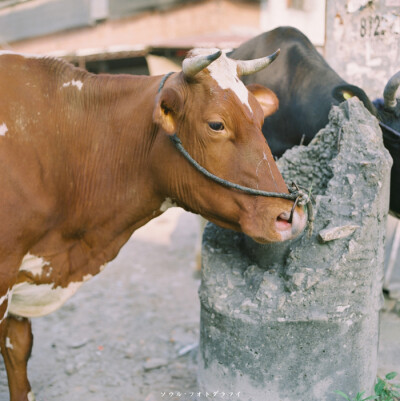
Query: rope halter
{"x": 300, "y": 196}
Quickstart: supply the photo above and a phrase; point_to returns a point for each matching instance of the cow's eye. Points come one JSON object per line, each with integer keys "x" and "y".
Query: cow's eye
{"x": 216, "y": 126}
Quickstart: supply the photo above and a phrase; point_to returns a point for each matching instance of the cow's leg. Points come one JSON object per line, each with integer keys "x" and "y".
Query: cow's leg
{"x": 15, "y": 337}
{"x": 24, "y": 225}
{"x": 16, "y": 344}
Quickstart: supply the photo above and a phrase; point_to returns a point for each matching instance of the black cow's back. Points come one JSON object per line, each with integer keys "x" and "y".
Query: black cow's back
{"x": 301, "y": 79}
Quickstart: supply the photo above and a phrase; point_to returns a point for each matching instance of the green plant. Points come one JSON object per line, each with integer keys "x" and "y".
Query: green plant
{"x": 359, "y": 396}
{"x": 387, "y": 391}
{"x": 384, "y": 390}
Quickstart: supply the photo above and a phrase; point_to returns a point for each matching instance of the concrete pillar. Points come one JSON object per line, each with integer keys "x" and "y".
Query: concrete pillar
{"x": 297, "y": 321}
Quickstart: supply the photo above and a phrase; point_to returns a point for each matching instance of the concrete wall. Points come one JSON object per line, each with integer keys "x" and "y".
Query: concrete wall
{"x": 363, "y": 41}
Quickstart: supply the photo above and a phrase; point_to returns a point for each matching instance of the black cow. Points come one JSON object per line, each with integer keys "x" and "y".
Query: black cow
{"x": 307, "y": 87}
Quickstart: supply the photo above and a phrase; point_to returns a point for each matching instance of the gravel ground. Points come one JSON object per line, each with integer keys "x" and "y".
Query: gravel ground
{"x": 131, "y": 333}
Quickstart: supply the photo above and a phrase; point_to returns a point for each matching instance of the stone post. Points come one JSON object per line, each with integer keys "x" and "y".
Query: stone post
{"x": 297, "y": 321}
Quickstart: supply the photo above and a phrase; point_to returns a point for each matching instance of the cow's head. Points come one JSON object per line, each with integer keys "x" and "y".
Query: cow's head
{"x": 219, "y": 122}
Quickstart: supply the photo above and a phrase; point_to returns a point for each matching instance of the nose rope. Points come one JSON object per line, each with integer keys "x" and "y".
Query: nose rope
{"x": 300, "y": 196}
{"x": 390, "y": 129}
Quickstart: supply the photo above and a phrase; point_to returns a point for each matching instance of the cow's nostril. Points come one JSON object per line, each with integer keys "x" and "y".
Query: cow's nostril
{"x": 284, "y": 216}
{"x": 282, "y": 221}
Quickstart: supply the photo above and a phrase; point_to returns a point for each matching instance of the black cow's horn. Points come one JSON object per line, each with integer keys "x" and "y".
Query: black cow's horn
{"x": 389, "y": 94}
{"x": 193, "y": 65}
{"x": 251, "y": 66}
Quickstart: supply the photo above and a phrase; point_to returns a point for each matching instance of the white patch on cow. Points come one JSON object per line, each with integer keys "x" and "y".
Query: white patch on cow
{"x": 30, "y": 300}
{"x": 31, "y": 396}
{"x": 87, "y": 277}
{"x": 78, "y": 84}
{"x": 33, "y": 264}
{"x": 167, "y": 204}
{"x": 3, "y": 129}
{"x": 8, "y": 343}
{"x": 224, "y": 71}
{"x": 2, "y": 299}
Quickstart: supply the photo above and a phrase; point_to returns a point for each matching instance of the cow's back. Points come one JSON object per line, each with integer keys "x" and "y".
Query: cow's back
{"x": 31, "y": 147}
{"x": 36, "y": 90}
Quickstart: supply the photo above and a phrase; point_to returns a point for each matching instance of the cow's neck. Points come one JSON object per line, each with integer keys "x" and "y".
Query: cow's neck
{"x": 105, "y": 174}
{"x": 111, "y": 173}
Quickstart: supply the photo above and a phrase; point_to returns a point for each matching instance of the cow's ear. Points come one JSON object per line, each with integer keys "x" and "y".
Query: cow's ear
{"x": 267, "y": 99}
{"x": 168, "y": 105}
{"x": 343, "y": 92}
{"x": 346, "y": 91}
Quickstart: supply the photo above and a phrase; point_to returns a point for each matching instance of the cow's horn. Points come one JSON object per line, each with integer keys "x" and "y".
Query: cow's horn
{"x": 389, "y": 94}
{"x": 251, "y": 66}
{"x": 193, "y": 65}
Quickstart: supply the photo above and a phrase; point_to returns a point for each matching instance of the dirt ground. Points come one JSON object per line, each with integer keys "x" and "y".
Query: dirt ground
{"x": 131, "y": 333}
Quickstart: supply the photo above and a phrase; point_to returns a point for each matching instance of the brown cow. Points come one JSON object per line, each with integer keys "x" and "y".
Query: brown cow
{"x": 86, "y": 160}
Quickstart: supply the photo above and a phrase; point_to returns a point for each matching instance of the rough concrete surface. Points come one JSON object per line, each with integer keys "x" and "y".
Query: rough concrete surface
{"x": 304, "y": 323}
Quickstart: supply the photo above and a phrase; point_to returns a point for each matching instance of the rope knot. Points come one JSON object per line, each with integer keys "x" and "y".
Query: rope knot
{"x": 303, "y": 195}
{"x": 303, "y": 198}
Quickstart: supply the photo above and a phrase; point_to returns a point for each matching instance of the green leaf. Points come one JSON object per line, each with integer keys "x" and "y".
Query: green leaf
{"x": 342, "y": 394}
{"x": 371, "y": 397}
{"x": 391, "y": 375}
{"x": 379, "y": 387}
{"x": 359, "y": 396}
